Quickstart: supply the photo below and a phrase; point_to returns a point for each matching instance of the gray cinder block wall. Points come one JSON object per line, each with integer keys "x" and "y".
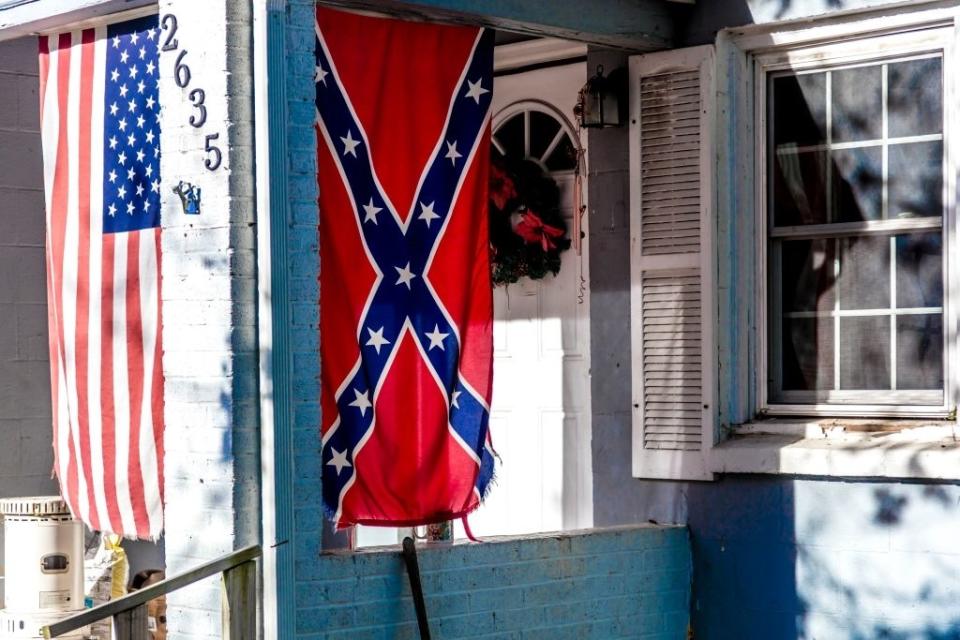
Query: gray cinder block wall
{"x": 26, "y": 451}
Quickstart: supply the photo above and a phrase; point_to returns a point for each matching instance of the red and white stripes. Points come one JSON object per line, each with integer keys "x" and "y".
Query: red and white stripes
{"x": 103, "y": 294}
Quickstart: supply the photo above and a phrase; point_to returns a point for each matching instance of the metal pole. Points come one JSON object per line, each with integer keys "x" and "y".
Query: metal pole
{"x": 413, "y": 571}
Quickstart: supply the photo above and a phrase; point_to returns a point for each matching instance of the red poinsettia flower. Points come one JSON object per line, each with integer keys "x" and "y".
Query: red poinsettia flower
{"x": 502, "y": 188}
{"x": 532, "y": 229}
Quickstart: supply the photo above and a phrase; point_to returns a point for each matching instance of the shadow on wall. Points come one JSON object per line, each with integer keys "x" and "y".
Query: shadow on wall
{"x": 822, "y": 559}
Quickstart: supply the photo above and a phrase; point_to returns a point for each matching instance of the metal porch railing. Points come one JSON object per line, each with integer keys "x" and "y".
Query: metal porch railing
{"x": 129, "y": 613}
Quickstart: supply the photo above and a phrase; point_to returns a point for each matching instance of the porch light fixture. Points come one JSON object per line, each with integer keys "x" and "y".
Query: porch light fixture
{"x": 598, "y": 104}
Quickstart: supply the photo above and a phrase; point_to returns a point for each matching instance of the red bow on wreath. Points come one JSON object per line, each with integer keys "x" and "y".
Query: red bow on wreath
{"x": 533, "y": 230}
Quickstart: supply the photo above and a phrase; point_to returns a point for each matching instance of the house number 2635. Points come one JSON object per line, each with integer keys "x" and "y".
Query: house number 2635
{"x": 197, "y": 96}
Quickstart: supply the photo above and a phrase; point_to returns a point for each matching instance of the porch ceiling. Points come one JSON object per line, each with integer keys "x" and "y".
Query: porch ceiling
{"x": 640, "y": 25}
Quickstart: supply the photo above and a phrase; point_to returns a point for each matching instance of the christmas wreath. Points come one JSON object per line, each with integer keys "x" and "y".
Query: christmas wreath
{"x": 527, "y": 231}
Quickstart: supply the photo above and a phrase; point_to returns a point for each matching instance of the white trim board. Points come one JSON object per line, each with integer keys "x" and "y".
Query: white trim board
{"x": 507, "y": 57}
{"x": 31, "y": 18}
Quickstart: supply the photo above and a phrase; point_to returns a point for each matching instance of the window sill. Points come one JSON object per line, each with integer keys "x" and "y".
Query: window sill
{"x": 843, "y": 448}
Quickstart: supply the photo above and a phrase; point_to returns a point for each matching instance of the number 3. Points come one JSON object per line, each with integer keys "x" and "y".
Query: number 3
{"x": 212, "y": 163}
{"x": 197, "y": 96}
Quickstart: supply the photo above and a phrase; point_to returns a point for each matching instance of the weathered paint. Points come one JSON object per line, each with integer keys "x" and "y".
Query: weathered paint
{"x": 774, "y": 557}
{"x": 633, "y": 24}
{"x": 622, "y": 583}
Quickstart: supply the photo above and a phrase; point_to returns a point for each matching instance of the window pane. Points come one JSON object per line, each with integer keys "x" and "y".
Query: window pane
{"x": 807, "y": 268}
{"x": 916, "y": 180}
{"x": 857, "y": 103}
{"x": 799, "y": 188}
{"x": 915, "y": 97}
{"x": 807, "y": 354}
{"x": 510, "y": 136}
{"x": 543, "y": 128}
{"x": 799, "y": 109}
{"x": 920, "y": 352}
{"x": 563, "y": 157}
{"x": 865, "y": 272}
{"x": 858, "y": 184}
{"x": 865, "y": 353}
{"x": 919, "y": 270}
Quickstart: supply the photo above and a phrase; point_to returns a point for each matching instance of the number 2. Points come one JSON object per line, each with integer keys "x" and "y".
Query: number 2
{"x": 197, "y": 96}
{"x": 212, "y": 163}
{"x": 168, "y": 23}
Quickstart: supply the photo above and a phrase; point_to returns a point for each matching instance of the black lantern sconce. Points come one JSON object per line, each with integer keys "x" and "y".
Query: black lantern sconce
{"x": 599, "y": 103}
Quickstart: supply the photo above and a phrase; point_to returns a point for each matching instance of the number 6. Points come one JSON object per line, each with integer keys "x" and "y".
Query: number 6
{"x": 212, "y": 163}
{"x": 181, "y": 72}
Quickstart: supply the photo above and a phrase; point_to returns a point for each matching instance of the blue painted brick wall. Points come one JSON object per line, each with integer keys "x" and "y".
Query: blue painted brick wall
{"x": 627, "y": 582}
{"x": 303, "y": 269}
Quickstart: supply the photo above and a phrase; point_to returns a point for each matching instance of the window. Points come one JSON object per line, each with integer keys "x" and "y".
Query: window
{"x": 853, "y": 201}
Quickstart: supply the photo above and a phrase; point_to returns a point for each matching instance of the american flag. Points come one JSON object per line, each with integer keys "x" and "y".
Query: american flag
{"x": 406, "y": 310}
{"x": 101, "y": 160}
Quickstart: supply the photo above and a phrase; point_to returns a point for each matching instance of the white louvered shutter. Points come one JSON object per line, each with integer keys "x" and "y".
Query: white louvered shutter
{"x": 672, "y": 263}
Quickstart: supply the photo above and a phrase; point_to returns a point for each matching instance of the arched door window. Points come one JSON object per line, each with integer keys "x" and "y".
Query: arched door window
{"x": 535, "y": 131}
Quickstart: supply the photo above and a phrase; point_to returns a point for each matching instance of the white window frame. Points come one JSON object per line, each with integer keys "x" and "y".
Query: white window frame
{"x": 856, "y": 50}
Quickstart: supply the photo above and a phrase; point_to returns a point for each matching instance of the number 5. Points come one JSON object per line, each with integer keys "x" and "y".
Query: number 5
{"x": 212, "y": 163}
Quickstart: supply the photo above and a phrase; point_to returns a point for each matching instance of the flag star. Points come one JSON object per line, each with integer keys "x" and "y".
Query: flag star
{"x": 123, "y": 90}
{"x": 123, "y": 124}
{"x": 339, "y": 460}
{"x": 132, "y": 105}
{"x": 130, "y": 208}
{"x": 130, "y": 173}
{"x": 150, "y": 102}
{"x": 122, "y": 192}
{"x": 452, "y": 152}
{"x": 112, "y": 175}
{"x": 133, "y": 71}
{"x": 113, "y": 142}
{"x": 376, "y": 339}
{"x": 150, "y": 67}
{"x": 116, "y": 42}
{"x": 112, "y": 210}
{"x": 149, "y": 170}
{"x": 122, "y": 158}
{"x": 140, "y": 121}
{"x": 475, "y": 90}
{"x": 151, "y": 33}
{"x": 427, "y": 214}
{"x": 141, "y": 86}
{"x": 146, "y": 206}
{"x": 155, "y": 186}
{"x": 361, "y": 401}
{"x": 123, "y": 56}
{"x": 436, "y": 338}
{"x": 156, "y": 152}
{"x": 455, "y": 399}
{"x": 143, "y": 52}
{"x": 140, "y": 155}
{"x": 114, "y": 75}
{"x": 140, "y": 189}
{"x": 349, "y": 145}
{"x": 131, "y": 140}
{"x": 405, "y": 275}
{"x": 114, "y": 108}
{"x": 134, "y": 37}
{"x": 320, "y": 75}
{"x": 371, "y": 210}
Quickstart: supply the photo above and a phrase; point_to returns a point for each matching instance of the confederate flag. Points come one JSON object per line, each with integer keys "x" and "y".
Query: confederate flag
{"x": 403, "y": 114}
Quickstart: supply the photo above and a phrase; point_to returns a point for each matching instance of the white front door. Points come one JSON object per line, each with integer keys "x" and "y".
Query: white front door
{"x": 540, "y": 417}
